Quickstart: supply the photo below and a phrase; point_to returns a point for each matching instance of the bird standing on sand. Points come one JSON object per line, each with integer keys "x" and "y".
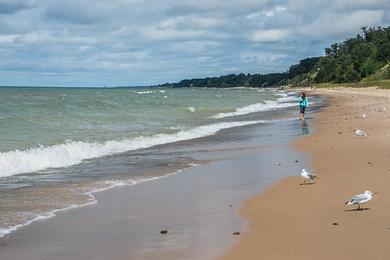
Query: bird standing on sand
{"x": 361, "y": 133}
{"x": 308, "y": 176}
{"x": 360, "y": 199}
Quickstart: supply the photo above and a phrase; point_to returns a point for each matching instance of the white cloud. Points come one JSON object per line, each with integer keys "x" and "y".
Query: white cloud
{"x": 264, "y": 36}
{"x": 60, "y": 38}
{"x": 344, "y": 5}
{"x": 339, "y": 24}
{"x": 262, "y": 57}
{"x": 267, "y": 13}
{"x": 191, "y": 21}
{"x": 277, "y": 9}
{"x": 204, "y": 58}
{"x": 195, "y": 47}
{"x": 7, "y": 38}
{"x": 151, "y": 33}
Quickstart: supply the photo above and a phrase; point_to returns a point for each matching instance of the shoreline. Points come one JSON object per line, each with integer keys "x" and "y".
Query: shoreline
{"x": 90, "y": 200}
{"x": 90, "y": 195}
{"x": 292, "y": 221}
{"x": 126, "y": 222}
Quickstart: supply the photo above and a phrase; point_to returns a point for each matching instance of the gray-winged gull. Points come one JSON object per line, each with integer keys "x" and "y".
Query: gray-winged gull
{"x": 361, "y": 133}
{"x": 308, "y": 176}
{"x": 360, "y": 198}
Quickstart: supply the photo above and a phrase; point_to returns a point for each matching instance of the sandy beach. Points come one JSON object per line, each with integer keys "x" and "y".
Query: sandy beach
{"x": 294, "y": 221}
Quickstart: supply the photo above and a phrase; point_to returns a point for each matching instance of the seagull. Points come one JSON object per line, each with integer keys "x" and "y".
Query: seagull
{"x": 360, "y": 199}
{"x": 308, "y": 176}
{"x": 361, "y": 133}
{"x": 364, "y": 116}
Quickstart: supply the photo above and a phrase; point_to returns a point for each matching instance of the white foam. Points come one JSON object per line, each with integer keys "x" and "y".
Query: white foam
{"x": 144, "y": 92}
{"x": 258, "y": 107}
{"x": 281, "y": 94}
{"x": 175, "y": 127}
{"x": 193, "y": 164}
{"x": 71, "y": 153}
{"x": 286, "y": 99}
{"x": 191, "y": 109}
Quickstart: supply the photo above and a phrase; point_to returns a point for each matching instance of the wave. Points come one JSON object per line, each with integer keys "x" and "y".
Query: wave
{"x": 71, "y": 153}
{"x": 258, "y": 107}
{"x": 285, "y": 97}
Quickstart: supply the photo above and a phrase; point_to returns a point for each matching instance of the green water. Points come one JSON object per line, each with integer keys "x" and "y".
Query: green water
{"x": 59, "y": 144}
{"x": 30, "y": 117}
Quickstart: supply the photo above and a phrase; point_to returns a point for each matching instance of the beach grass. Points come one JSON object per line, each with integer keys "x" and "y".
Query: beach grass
{"x": 382, "y": 84}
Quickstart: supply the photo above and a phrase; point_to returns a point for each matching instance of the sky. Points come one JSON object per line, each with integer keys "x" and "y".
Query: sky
{"x": 144, "y": 42}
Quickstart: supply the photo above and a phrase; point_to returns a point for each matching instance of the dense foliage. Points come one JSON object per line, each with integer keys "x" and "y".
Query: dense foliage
{"x": 304, "y": 66}
{"x": 233, "y": 80}
{"x": 355, "y": 58}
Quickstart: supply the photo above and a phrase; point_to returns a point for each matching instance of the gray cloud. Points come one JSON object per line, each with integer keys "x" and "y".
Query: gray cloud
{"x": 345, "y": 5}
{"x": 13, "y": 6}
{"x": 133, "y": 42}
{"x": 226, "y": 7}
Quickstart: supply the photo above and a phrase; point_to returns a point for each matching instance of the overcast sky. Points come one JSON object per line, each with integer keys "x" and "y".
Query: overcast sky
{"x": 141, "y": 42}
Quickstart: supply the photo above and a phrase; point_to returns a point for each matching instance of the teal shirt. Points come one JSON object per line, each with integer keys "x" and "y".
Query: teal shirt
{"x": 303, "y": 102}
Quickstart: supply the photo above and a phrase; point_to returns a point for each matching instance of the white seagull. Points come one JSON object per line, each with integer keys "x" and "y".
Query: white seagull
{"x": 361, "y": 133}
{"x": 308, "y": 176}
{"x": 360, "y": 199}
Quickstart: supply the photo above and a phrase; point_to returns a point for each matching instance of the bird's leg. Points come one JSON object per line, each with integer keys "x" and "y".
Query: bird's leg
{"x": 358, "y": 207}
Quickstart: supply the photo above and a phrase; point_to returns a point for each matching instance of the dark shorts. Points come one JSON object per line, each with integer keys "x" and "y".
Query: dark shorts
{"x": 302, "y": 109}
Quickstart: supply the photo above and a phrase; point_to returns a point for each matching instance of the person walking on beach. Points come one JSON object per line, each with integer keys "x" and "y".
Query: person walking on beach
{"x": 303, "y": 104}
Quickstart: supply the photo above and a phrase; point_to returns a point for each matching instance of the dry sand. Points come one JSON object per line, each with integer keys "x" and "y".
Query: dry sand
{"x": 293, "y": 221}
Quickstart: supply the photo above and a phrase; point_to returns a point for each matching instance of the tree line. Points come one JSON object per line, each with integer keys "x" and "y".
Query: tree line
{"x": 355, "y": 58}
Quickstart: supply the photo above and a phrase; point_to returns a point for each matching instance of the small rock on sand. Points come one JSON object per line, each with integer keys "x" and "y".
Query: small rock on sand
{"x": 164, "y": 232}
{"x": 236, "y": 233}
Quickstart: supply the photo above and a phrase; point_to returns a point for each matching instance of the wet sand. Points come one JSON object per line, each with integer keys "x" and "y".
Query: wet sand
{"x": 294, "y": 221}
{"x": 197, "y": 206}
